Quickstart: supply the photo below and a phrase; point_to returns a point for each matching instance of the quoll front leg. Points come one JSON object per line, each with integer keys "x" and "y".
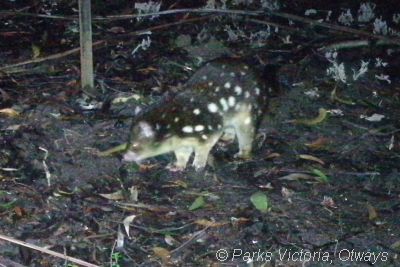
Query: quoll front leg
{"x": 245, "y": 131}
{"x": 182, "y": 155}
{"x": 202, "y": 150}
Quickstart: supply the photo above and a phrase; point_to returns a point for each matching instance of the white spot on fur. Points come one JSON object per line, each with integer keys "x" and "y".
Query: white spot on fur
{"x": 217, "y": 89}
{"x": 222, "y": 74}
{"x": 187, "y": 129}
{"x": 227, "y": 85}
{"x": 232, "y": 74}
{"x": 137, "y": 110}
{"x": 242, "y": 73}
{"x": 203, "y": 136}
{"x": 212, "y": 107}
{"x": 131, "y": 156}
{"x": 199, "y": 128}
{"x": 145, "y": 129}
{"x": 237, "y": 107}
{"x": 238, "y": 90}
{"x": 257, "y": 90}
{"x": 210, "y": 84}
{"x": 191, "y": 99}
{"x": 247, "y": 120}
{"x": 246, "y": 94}
{"x": 246, "y": 67}
{"x": 157, "y": 126}
{"x": 196, "y": 111}
{"x": 231, "y": 101}
{"x": 224, "y": 104}
{"x": 219, "y": 126}
{"x": 204, "y": 77}
{"x": 223, "y": 66}
{"x": 176, "y": 119}
{"x": 210, "y": 127}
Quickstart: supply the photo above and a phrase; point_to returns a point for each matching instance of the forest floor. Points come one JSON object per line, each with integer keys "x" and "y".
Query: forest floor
{"x": 327, "y": 157}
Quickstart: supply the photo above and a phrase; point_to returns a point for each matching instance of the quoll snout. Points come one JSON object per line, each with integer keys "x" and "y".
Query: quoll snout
{"x": 221, "y": 98}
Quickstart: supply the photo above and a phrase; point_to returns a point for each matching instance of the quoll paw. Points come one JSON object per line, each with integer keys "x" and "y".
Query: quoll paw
{"x": 243, "y": 155}
{"x": 174, "y": 168}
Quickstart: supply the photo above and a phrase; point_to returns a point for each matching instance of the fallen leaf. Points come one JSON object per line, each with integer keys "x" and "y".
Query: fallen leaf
{"x": 373, "y": 118}
{"x": 273, "y": 155}
{"x": 117, "y": 29}
{"x": 395, "y": 245}
{"x": 176, "y": 184}
{"x": 320, "y": 118}
{"x": 260, "y": 201}
{"x": 328, "y": 202}
{"x": 322, "y": 176}
{"x": 163, "y": 254}
{"x": 170, "y": 240}
{"x": 20, "y": 212}
{"x": 120, "y": 239}
{"x": 312, "y": 158}
{"x": 296, "y": 176}
{"x": 372, "y": 214}
{"x": 197, "y": 204}
{"x": 319, "y": 143}
{"x": 4, "y": 96}
{"x": 207, "y": 223}
{"x": 134, "y": 193}
{"x": 118, "y": 195}
{"x": 286, "y": 193}
{"x": 36, "y": 51}
{"x": 9, "y": 112}
{"x": 126, "y": 222}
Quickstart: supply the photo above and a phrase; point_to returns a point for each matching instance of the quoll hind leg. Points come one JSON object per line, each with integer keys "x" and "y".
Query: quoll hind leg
{"x": 245, "y": 134}
{"x": 202, "y": 150}
{"x": 182, "y": 155}
{"x": 228, "y": 135}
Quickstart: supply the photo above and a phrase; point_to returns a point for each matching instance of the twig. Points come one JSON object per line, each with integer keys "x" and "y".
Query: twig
{"x": 391, "y": 40}
{"x": 9, "y": 263}
{"x": 54, "y": 56}
{"x": 132, "y": 16}
{"x": 273, "y": 24}
{"x": 352, "y": 44}
{"x": 163, "y": 230}
{"x": 184, "y": 10}
{"x": 27, "y": 14}
{"x": 333, "y": 173}
{"x": 48, "y": 251}
{"x": 195, "y": 237}
{"x": 99, "y": 43}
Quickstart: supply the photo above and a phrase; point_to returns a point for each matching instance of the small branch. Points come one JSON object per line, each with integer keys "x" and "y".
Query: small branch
{"x": 47, "y": 251}
{"x": 352, "y": 44}
{"x": 54, "y": 56}
{"x": 100, "y": 43}
{"x": 184, "y": 10}
{"x": 192, "y": 239}
{"x": 360, "y": 174}
{"x": 26, "y": 14}
{"x": 132, "y": 16}
{"x": 391, "y": 40}
{"x": 9, "y": 263}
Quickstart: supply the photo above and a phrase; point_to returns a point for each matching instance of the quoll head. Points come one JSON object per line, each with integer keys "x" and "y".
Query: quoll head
{"x": 142, "y": 139}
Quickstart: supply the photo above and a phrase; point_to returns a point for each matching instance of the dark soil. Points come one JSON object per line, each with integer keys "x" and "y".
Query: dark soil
{"x": 332, "y": 183}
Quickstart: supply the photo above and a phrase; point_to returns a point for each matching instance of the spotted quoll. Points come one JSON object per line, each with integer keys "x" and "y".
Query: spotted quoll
{"x": 223, "y": 96}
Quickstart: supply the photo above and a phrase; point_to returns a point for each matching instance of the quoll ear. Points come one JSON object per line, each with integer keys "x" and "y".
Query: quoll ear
{"x": 145, "y": 129}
